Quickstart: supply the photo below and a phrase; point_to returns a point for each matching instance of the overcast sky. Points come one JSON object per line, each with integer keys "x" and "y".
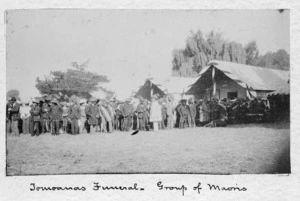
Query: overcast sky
{"x": 126, "y": 45}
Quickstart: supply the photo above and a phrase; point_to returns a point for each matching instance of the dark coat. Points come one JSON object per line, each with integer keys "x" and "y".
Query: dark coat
{"x": 35, "y": 113}
{"x": 183, "y": 110}
{"x": 74, "y": 112}
{"x": 15, "y": 112}
{"x": 126, "y": 109}
{"x": 45, "y": 112}
{"x": 56, "y": 112}
{"x": 141, "y": 110}
{"x": 8, "y": 115}
{"x": 222, "y": 112}
{"x": 92, "y": 113}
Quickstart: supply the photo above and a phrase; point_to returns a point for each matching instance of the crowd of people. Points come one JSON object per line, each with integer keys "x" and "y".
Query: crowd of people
{"x": 94, "y": 115}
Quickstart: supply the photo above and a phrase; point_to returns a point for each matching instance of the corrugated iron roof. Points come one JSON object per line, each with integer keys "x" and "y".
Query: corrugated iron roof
{"x": 282, "y": 91}
{"x": 257, "y": 78}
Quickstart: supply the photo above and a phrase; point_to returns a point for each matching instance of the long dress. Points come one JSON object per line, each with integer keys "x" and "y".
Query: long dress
{"x": 201, "y": 114}
{"x": 155, "y": 112}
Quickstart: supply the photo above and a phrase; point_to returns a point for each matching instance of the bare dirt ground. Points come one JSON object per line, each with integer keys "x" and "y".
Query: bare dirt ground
{"x": 236, "y": 149}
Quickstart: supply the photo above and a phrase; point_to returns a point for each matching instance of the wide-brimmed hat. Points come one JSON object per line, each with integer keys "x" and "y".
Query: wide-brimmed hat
{"x": 82, "y": 101}
{"x": 54, "y": 101}
{"x": 13, "y": 98}
{"x": 93, "y": 99}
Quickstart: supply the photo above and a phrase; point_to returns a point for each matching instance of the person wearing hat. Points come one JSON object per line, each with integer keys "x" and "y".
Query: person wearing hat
{"x": 170, "y": 113}
{"x": 56, "y": 116}
{"x": 45, "y": 113}
{"x": 127, "y": 113}
{"x": 14, "y": 115}
{"x": 155, "y": 112}
{"x": 184, "y": 114}
{"x": 213, "y": 108}
{"x": 193, "y": 112}
{"x": 141, "y": 110}
{"x": 65, "y": 115}
{"x": 92, "y": 113}
{"x": 8, "y": 116}
{"x": 74, "y": 115}
{"x": 35, "y": 113}
{"x": 25, "y": 115}
{"x": 221, "y": 116}
{"x": 82, "y": 120}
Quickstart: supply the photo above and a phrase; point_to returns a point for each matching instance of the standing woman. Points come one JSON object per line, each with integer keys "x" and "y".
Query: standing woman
{"x": 82, "y": 120}
{"x": 201, "y": 113}
{"x": 155, "y": 112}
{"x": 25, "y": 115}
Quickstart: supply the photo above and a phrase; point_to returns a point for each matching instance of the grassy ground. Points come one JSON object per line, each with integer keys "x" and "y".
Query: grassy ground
{"x": 237, "y": 149}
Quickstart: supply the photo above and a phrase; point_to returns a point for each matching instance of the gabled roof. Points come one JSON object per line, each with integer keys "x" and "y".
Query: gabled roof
{"x": 175, "y": 85}
{"x": 257, "y": 78}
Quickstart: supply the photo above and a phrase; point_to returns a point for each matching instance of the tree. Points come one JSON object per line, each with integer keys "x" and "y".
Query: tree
{"x": 77, "y": 82}
{"x": 13, "y": 93}
{"x": 251, "y": 53}
{"x": 199, "y": 50}
{"x": 277, "y": 60}
{"x": 281, "y": 60}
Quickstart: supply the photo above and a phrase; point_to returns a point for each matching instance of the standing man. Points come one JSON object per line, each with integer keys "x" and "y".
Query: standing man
{"x": 92, "y": 113}
{"x": 45, "y": 117}
{"x": 74, "y": 115}
{"x": 127, "y": 112}
{"x": 36, "y": 118}
{"x": 193, "y": 112}
{"x": 141, "y": 110}
{"x": 184, "y": 113}
{"x": 8, "y": 116}
{"x": 25, "y": 115}
{"x": 56, "y": 115}
{"x": 14, "y": 111}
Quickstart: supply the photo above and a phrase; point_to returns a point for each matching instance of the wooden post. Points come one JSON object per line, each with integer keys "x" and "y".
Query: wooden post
{"x": 214, "y": 82}
{"x": 151, "y": 90}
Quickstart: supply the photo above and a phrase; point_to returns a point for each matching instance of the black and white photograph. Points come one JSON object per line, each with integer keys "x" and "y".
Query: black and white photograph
{"x": 129, "y": 91}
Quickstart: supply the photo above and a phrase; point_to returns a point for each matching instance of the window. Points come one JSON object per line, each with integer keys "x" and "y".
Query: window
{"x": 232, "y": 95}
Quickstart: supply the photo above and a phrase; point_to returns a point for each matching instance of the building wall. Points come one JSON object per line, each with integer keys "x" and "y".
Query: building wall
{"x": 227, "y": 85}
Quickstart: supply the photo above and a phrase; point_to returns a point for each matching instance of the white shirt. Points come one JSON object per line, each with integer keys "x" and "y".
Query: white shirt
{"x": 25, "y": 111}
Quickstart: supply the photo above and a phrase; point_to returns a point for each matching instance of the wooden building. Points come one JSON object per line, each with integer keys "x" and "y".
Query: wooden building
{"x": 174, "y": 86}
{"x": 231, "y": 80}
